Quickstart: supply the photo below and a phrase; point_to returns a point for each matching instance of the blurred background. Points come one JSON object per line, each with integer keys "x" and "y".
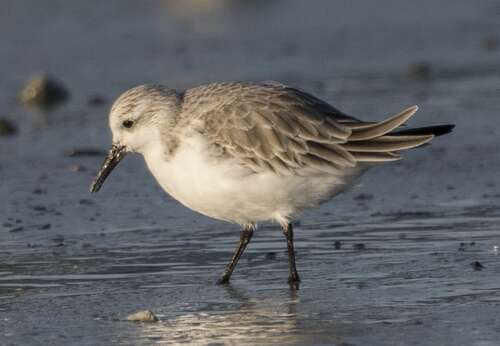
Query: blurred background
{"x": 408, "y": 256}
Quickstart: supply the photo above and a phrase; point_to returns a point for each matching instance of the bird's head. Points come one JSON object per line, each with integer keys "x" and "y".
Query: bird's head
{"x": 136, "y": 120}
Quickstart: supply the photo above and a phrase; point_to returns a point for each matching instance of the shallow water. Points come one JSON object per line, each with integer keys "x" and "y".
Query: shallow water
{"x": 74, "y": 265}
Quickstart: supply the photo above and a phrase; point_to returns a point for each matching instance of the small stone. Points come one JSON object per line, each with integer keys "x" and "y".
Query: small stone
{"x": 77, "y": 168}
{"x": 39, "y": 208}
{"x": 490, "y": 43}
{"x": 43, "y": 92}
{"x": 17, "y": 229}
{"x": 337, "y": 245}
{"x": 7, "y": 128}
{"x": 419, "y": 71}
{"x": 96, "y": 100}
{"x": 363, "y": 197}
{"x": 359, "y": 246}
{"x": 143, "y": 316}
{"x": 39, "y": 192}
{"x": 362, "y": 285}
{"x": 270, "y": 255}
{"x": 45, "y": 226}
{"x": 77, "y": 152}
{"x": 477, "y": 265}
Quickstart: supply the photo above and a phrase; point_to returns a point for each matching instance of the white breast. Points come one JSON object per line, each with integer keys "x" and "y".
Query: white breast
{"x": 225, "y": 190}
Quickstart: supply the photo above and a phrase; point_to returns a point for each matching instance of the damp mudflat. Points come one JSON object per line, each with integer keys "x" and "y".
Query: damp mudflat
{"x": 409, "y": 257}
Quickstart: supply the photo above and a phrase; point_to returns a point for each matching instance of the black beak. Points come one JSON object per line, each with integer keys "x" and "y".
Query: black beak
{"x": 115, "y": 155}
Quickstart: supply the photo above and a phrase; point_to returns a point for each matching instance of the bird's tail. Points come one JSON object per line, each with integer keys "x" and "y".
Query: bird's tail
{"x": 376, "y": 142}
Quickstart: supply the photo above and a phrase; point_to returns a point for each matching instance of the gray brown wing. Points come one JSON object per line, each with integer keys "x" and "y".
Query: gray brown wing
{"x": 272, "y": 127}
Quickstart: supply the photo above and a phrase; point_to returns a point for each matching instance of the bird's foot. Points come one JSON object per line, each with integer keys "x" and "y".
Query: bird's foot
{"x": 223, "y": 280}
{"x": 294, "y": 281}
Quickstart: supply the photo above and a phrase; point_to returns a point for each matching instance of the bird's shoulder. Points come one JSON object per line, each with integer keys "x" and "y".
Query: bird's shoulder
{"x": 205, "y": 99}
{"x": 243, "y": 105}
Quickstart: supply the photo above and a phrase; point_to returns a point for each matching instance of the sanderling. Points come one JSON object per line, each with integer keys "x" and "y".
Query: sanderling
{"x": 250, "y": 152}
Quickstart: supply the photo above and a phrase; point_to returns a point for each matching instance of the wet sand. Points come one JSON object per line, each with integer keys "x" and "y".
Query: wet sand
{"x": 394, "y": 261}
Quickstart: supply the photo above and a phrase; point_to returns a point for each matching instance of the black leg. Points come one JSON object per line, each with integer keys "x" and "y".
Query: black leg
{"x": 245, "y": 236}
{"x": 294, "y": 276}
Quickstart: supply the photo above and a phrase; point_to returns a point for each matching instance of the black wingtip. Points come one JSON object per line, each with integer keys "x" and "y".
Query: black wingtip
{"x": 442, "y": 129}
{"x": 437, "y": 130}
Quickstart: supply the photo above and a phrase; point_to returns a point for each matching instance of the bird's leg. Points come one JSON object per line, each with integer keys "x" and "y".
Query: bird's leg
{"x": 245, "y": 236}
{"x": 294, "y": 276}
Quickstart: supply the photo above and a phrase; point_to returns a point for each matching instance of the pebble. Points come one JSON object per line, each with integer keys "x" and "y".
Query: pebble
{"x": 39, "y": 208}
{"x": 270, "y": 255}
{"x": 77, "y": 152}
{"x": 7, "y": 128}
{"x": 490, "y": 43}
{"x": 77, "y": 168}
{"x": 359, "y": 246}
{"x": 96, "y": 100}
{"x": 477, "y": 265}
{"x": 43, "y": 92}
{"x": 142, "y": 316}
{"x": 419, "y": 71}
{"x": 363, "y": 197}
{"x": 39, "y": 191}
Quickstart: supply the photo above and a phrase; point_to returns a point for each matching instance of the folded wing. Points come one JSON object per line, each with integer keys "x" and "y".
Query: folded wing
{"x": 272, "y": 127}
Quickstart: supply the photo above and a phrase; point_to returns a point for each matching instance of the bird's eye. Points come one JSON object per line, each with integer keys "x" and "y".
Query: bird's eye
{"x": 128, "y": 124}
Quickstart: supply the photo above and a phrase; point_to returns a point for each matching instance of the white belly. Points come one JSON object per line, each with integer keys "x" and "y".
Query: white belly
{"x": 226, "y": 191}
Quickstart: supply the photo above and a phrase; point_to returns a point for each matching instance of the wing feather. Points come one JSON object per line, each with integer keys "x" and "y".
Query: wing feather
{"x": 332, "y": 153}
{"x": 383, "y": 127}
{"x": 272, "y": 127}
{"x": 376, "y": 157}
{"x": 382, "y": 145}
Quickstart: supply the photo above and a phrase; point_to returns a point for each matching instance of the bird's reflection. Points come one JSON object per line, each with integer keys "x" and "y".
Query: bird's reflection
{"x": 254, "y": 321}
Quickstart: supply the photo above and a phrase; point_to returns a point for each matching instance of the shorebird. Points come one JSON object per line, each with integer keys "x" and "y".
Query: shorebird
{"x": 252, "y": 152}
